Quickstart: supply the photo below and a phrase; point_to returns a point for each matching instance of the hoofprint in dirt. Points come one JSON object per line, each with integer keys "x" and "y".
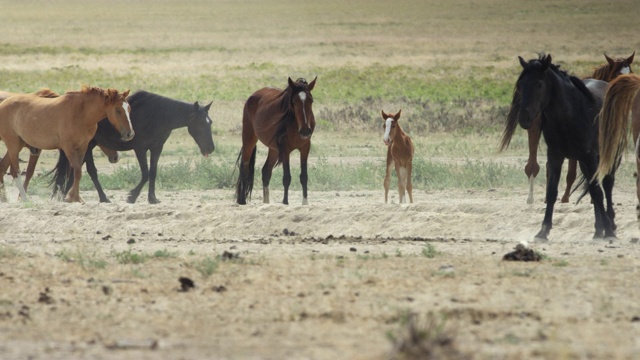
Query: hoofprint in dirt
{"x": 328, "y": 280}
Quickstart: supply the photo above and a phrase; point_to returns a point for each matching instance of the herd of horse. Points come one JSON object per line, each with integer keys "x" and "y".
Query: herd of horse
{"x": 583, "y": 120}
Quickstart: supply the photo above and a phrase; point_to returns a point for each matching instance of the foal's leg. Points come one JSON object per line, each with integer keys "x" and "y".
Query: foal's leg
{"x": 554, "y": 166}
{"x": 409, "y": 184}
{"x": 402, "y": 178}
{"x": 571, "y": 178}
{"x": 387, "y": 176}
{"x": 267, "y": 170}
{"x": 153, "y": 171}
{"x": 304, "y": 177}
{"x": 531, "y": 169}
{"x": 75, "y": 160}
{"x": 4, "y": 165}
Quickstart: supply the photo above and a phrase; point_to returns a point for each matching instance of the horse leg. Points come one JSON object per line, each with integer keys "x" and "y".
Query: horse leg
{"x": 286, "y": 178}
{"x": 267, "y": 170}
{"x": 141, "y": 155}
{"x": 387, "y": 176}
{"x": 531, "y": 169}
{"x": 15, "y": 171}
{"x": 571, "y": 178}
{"x": 34, "y": 154}
{"x": 4, "y": 164}
{"x": 401, "y": 173}
{"x": 75, "y": 157}
{"x": 153, "y": 172}
{"x": 607, "y": 186}
{"x": 93, "y": 173}
{"x": 554, "y": 166}
{"x": 408, "y": 180}
{"x": 304, "y": 177}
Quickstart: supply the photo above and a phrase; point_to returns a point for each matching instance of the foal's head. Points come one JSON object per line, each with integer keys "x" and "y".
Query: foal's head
{"x": 301, "y": 101}
{"x": 118, "y": 110}
{"x": 619, "y": 66}
{"x": 390, "y": 126}
{"x": 199, "y": 127}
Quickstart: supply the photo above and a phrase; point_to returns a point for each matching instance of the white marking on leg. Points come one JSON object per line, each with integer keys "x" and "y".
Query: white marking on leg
{"x": 531, "y": 183}
{"x": 23, "y": 194}
{"x": 387, "y": 130}
{"x": 265, "y": 194}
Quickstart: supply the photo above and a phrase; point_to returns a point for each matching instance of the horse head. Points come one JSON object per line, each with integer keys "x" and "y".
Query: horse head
{"x": 301, "y": 104}
{"x": 390, "y": 126}
{"x": 118, "y": 113}
{"x": 199, "y": 127}
{"x": 531, "y": 89}
{"x": 620, "y": 66}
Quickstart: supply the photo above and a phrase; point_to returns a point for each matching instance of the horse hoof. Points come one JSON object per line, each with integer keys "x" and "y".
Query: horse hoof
{"x": 610, "y": 238}
{"x": 154, "y": 201}
{"x": 305, "y": 202}
{"x": 540, "y": 239}
{"x": 529, "y": 201}
{"x": 131, "y": 200}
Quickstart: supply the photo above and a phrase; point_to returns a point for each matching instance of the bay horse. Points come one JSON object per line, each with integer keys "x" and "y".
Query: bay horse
{"x": 605, "y": 72}
{"x": 154, "y": 117}
{"x": 65, "y": 122}
{"x": 620, "y": 99}
{"x": 283, "y": 121}
{"x": 400, "y": 154}
{"x": 566, "y": 108}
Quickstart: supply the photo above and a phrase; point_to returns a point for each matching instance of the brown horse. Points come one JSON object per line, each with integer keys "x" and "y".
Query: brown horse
{"x": 34, "y": 153}
{"x": 605, "y": 72}
{"x": 620, "y": 99}
{"x": 400, "y": 154}
{"x": 66, "y": 122}
{"x": 283, "y": 121}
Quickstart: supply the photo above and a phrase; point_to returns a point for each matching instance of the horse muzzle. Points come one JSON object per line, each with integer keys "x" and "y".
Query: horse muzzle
{"x": 524, "y": 121}
{"x": 114, "y": 159}
{"x": 305, "y": 133}
{"x": 128, "y": 135}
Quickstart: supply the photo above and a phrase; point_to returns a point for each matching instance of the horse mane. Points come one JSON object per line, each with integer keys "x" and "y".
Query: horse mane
{"x": 110, "y": 95}
{"x": 46, "y": 93}
{"x": 603, "y": 72}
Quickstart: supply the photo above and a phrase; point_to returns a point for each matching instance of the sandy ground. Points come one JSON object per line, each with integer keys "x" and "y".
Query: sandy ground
{"x": 330, "y": 280}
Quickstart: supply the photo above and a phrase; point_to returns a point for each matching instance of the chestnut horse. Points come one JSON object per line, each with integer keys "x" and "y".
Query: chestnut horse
{"x": 283, "y": 121}
{"x": 605, "y": 72}
{"x": 620, "y": 99}
{"x": 399, "y": 153}
{"x": 66, "y": 122}
{"x": 34, "y": 153}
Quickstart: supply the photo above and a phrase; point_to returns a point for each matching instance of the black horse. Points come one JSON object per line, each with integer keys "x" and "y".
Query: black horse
{"x": 153, "y": 117}
{"x": 568, "y": 108}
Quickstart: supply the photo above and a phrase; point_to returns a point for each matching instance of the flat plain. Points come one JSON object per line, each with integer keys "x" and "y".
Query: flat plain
{"x": 347, "y": 276}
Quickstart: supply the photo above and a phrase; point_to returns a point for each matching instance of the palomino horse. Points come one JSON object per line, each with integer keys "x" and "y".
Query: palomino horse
{"x": 566, "y": 107}
{"x": 158, "y": 116}
{"x": 34, "y": 153}
{"x": 399, "y": 153}
{"x": 66, "y": 122}
{"x": 282, "y": 120}
{"x": 620, "y": 99}
{"x": 605, "y": 72}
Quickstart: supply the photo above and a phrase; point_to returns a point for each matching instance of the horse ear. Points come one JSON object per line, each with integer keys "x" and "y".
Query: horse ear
{"x": 208, "y": 106}
{"x": 126, "y": 93}
{"x": 522, "y": 62}
{"x": 609, "y": 60}
{"x": 312, "y": 84}
{"x": 397, "y": 117}
{"x": 384, "y": 116}
{"x": 196, "y": 106}
{"x": 546, "y": 61}
{"x": 290, "y": 82}
{"x": 630, "y": 58}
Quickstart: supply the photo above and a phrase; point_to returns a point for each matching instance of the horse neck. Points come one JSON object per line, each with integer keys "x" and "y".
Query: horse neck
{"x": 400, "y": 136}
{"x": 176, "y": 115}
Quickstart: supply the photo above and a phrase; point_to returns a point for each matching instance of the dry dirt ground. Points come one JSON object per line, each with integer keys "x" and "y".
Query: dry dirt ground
{"x": 332, "y": 280}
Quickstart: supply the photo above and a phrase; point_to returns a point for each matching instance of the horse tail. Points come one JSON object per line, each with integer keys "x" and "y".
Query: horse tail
{"x": 244, "y": 186}
{"x": 613, "y": 122}
{"x": 62, "y": 175}
{"x": 511, "y": 122}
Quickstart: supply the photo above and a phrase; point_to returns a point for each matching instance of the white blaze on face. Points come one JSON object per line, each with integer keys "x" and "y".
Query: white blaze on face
{"x": 127, "y": 109}
{"x": 303, "y": 98}
{"x": 625, "y": 70}
{"x": 387, "y": 130}
{"x": 209, "y": 120}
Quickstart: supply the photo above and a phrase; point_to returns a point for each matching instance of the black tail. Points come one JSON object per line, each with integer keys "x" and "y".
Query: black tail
{"x": 62, "y": 175}
{"x": 244, "y": 186}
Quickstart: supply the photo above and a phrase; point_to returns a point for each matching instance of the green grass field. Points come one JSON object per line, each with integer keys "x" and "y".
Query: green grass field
{"x": 450, "y": 66}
